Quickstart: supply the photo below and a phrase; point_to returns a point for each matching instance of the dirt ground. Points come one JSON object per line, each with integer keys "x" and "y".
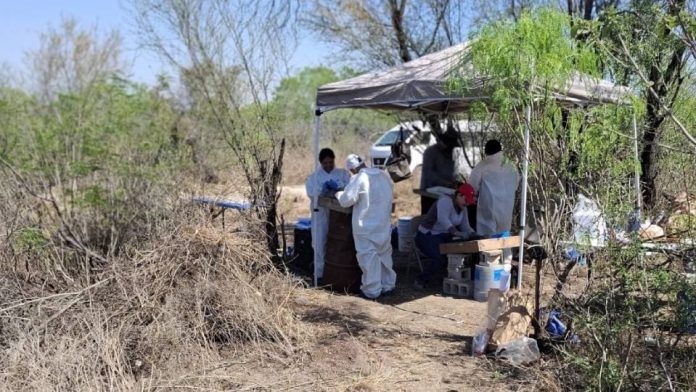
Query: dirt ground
{"x": 410, "y": 341}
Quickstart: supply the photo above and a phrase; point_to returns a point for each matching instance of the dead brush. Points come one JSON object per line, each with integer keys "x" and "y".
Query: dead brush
{"x": 175, "y": 311}
{"x": 224, "y": 285}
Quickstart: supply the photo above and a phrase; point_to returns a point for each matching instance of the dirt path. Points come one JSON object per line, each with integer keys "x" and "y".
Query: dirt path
{"x": 405, "y": 343}
{"x": 411, "y": 341}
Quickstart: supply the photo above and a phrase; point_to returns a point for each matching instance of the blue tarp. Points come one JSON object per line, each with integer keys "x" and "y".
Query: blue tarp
{"x": 304, "y": 223}
{"x": 222, "y": 203}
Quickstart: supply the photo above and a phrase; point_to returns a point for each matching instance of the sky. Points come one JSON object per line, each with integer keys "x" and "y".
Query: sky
{"x": 22, "y": 21}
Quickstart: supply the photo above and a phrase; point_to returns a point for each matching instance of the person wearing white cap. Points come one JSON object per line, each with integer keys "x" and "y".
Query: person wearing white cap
{"x": 370, "y": 193}
{"x": 326, "y": 176}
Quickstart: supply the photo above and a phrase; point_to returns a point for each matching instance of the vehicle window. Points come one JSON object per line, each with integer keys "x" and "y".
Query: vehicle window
{"x": 389, "y": 138}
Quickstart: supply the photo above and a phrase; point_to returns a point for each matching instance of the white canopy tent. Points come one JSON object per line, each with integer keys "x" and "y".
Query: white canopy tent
{"x": 421, "y": 86}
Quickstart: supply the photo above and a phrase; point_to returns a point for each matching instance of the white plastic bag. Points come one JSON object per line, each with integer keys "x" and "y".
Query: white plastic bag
{"x": 520, "y": 351}
{"x": 479, "y": 343}
{"x": 589, "y": 226}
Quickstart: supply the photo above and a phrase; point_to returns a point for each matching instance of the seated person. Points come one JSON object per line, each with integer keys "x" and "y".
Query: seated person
{"x": 445, "y": 220}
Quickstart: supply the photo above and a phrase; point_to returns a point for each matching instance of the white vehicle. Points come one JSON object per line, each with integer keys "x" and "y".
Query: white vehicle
{"x": 417, "y": 137}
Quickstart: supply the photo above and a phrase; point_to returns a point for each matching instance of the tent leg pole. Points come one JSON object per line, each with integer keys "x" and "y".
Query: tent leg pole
{"x": 315, "y": 150}
{"x": 523, "y": 198}
{"x": 639, "y": 199}
{"x": 315, "y": 137}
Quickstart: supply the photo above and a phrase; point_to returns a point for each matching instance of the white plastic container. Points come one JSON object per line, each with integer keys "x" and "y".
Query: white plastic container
{"x": 405, "y": 235}
{"x": 520, "y": 351}
{"x": 589, "y": 226}
{"x": 486, "y": 277}
{"x": 491, "y": 256}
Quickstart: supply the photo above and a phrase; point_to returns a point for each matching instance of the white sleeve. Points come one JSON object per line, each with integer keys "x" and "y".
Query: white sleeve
{"x": 517, "y": 177}
{"x": 475, "y": 178}
{"x": 345, "y": 177}
{"x": 444, "y": 211}
{"x": 311, "y": 185}
{"x": 349, "y": 196}
{"x": 465, "y": 227}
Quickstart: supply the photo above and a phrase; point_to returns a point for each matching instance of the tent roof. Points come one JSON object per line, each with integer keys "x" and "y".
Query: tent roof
{"x": 421, "y": 85}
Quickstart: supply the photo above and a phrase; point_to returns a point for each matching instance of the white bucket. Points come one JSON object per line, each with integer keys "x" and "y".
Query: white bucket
{"x": 405, "y": 234}
{"x": 486, "y": 277}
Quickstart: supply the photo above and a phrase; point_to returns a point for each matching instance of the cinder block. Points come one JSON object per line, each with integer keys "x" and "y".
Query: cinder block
{"x": 461, "y": 273}
{"x": 457, "y": 288}
{"x": 463, "y": 290}
{"x": 491, "y": 256}
{"x": 455, "y": 260}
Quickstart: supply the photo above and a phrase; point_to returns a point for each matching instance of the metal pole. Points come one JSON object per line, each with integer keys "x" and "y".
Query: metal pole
{"x": 639, "y": 199}
{"x": 315, "y": 137}
{"x": 315, "y": 201}
{"x": 523, "y": 198}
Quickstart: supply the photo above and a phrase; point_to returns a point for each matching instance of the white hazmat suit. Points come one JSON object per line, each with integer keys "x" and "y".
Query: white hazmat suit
{"x": 320, "y": 215}
{"x": 370, "y": 193}
{"x": 495, "y": 182}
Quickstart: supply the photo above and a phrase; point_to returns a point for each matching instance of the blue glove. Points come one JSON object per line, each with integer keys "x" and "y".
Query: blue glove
{"x": 555, "y": 326}
{"x": 330, "y": 185}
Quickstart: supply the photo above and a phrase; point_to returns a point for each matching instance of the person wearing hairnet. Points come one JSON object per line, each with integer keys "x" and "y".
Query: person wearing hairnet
{"x": 495, "y": 181}
{"x": 370, "y": 193}
{"x": 446, "y": 219}
{"x": 325, "y": 178}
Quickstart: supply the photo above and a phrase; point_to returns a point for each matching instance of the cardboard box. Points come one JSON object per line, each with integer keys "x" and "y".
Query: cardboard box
{"x": 480, "y": 245}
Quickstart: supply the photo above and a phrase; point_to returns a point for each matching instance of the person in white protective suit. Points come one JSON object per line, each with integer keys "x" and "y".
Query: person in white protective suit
{"x": 325, "y": 178}
{"x": 370, "y": 193}
{"x": 495, "y": 181}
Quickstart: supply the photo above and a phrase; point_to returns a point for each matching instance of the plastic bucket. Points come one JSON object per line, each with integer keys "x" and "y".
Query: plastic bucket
{"x": 404, "y": 232}
{"x": 486, "y": 277}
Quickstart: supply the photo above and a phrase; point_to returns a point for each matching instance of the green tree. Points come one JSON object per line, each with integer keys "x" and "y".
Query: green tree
{"x": 229, "y": 55}
{"x": 641, "y": 47}
{"x": 295, "y": 98}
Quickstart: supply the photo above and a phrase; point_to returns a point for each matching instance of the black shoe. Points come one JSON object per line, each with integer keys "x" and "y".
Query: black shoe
{"x": 418, "y": 285}
{"x": 387, "y": 293}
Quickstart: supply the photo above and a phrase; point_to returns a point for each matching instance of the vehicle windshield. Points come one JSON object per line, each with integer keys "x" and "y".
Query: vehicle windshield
{"x": 390, "y": 138}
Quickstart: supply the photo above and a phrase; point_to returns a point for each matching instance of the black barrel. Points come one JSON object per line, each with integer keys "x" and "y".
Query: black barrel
{"x": 303, "y": 254}
{"x": 341, "y": 269}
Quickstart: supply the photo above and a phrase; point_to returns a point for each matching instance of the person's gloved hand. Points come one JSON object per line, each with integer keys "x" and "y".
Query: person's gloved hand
{"x": 475, "y": 236}
{"x": 330, "y": 185}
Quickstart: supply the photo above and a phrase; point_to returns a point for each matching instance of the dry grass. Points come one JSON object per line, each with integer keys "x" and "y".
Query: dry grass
{"x": 171, "y": 314}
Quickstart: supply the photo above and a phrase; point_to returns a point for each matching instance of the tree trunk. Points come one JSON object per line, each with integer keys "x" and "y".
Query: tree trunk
{"x": 664, "y": 83}
{"x": 397, "y": 16}
{"x": 271, "y": 186}
{"x": 589, "y": 5}
{"x": 197, "y": 157}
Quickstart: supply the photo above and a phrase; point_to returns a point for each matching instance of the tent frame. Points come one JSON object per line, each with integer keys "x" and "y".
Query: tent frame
{"x": 419, "y": 86}
{"x": 525, "y": 175}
